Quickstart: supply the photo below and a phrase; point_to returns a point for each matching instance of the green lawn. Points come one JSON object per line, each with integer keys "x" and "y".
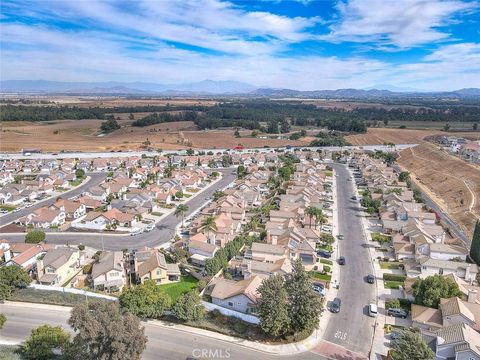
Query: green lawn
{"x": 390, "y": 264}
{"x": 175, "y": 290}
{"x": 7, "y": 207}
{"x": 325, "y": 261}
{"x": 319, "y": 276}
{"x": 76, "y": 182}
{"x": 381, "y": 238}
{"x": 329, "y": 173}
{"x": 328, "y": 248}
{"x": 393, "y": 284}
{"x": 156, "y": 213}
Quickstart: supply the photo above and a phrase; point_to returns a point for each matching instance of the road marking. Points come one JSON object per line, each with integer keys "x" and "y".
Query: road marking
{"x": 341, "y": 335}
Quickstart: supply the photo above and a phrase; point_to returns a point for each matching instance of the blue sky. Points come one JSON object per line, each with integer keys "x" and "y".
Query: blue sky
{"x": 305, "y": 45}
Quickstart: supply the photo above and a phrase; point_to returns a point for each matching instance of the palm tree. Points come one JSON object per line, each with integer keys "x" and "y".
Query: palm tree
{"x": 180, "y": 211}
{"x": 310, "y": 212}
{"x": 320, "y": 217}
{"x": 208, "y": 224}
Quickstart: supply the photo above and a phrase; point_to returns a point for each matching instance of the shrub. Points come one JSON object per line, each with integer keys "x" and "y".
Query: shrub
{"x": 394, "y": 277}
{"x": 326, "y": 268}
{"x": 392, "y": 304}
{"x": 34, "y": 237}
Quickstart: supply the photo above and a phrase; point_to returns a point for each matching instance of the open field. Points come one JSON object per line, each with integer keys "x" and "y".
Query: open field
{"x": 453, "y": 183}
{"x": 400, "y": 136}
{"x": 82, "y": 135}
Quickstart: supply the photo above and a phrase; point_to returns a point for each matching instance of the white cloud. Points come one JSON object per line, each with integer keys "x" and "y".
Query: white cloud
{"x": 402, "y": 24}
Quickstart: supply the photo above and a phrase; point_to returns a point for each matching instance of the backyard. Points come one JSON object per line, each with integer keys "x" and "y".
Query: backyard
{"x": 177, "y": 289}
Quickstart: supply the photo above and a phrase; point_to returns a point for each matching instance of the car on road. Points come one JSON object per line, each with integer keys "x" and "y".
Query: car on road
{"x": 149, "y": 227}
{"x": 335, "y": 305}
{"x": 370, "y": 279}
{"x": 397, "y": 313}
{"x": 340, "y": 236}
{"x": 3, "y": 211}
{"x": 353, "y": 197}
{"x": 372, "y": 310}
{"x": 341, "y": 260}
{"x": 136, "y": 232}
{"x": 324, "y": 253}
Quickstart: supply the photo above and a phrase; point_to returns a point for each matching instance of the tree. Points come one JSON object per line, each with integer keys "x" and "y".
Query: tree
{"x": 272, "y": 308}
{"x": 105, "y": 332}
{"x": 109, "y": 125}
{"x": 3, "y": 320}
{"x": 410, "y": 346}
{"x": 310, "y": 212}
{"x": 218, "y": 194}
{"x": 43, "y": 340}
{"x": 446, "y": 127}
{"x": 179, "y": 194}
{"x": 475, "y": 126}
{"x": 131, "y": 117}
{"x": 475, "y": 246}
{"x": 208, "y": 225}
{"x": 180, "y": 211}
{"x": 80, "y": 173}
{"x": 35, "y": 236}
{"x": 147, "y": 300}
{"x": 304, "y": 304}
{"x": 285, "y": 172}
{"x": 17, "y": 179}
{"x": 404, "y": 176}
{"x": 11, "y": 277}
{"x": 190, "y": 151}
{"x": 272, "y": 127}
{"x": 284, "y": 127}
{"x": 236, "y": 133}
{"x": 241, "y": 171}
{"x": 320, "y": 217}
{"x": 429, "y": 291}
{"x": 189, "y": 307}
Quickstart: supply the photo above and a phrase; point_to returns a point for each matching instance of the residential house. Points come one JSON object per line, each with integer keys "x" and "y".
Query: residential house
{"x": 57, "y": 266}
{"x": 109, "y": 272}
{"x": 150, "y": 264}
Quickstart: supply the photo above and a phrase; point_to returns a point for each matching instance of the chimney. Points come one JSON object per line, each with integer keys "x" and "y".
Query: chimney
{"x": 472, "y": 295}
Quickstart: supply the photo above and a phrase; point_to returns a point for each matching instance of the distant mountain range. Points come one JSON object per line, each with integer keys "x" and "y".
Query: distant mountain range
{"x": 212, "y": 88}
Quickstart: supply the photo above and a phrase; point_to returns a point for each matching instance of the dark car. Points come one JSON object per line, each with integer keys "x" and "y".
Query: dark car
{"x": 335, "y": 305}
{"x": 341, "y": 260}
{"x": 370, "y": 279}
{"x": 324, "y": 253}
{"x": 397, "y": 313}
{"x": 354, "y": 197}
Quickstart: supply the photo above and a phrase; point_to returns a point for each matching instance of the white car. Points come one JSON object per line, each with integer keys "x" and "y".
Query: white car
{"x": 136, "y": 232}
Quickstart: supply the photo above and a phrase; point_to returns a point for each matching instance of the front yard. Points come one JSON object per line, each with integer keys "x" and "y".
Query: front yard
{"x": 177, "y": 289}
{"x": 392, "y": 265}
{"x": 319, "y": 276}
{"x": 381, "y": 238}
{"x": 393, "y": 281}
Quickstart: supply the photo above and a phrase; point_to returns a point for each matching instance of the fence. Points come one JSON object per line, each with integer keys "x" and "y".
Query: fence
{"x": 72, "y": 291}
{"x": 227, "y": 312}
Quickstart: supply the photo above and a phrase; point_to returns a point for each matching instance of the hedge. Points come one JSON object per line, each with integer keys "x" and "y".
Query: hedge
{"x": 394, "y": 277}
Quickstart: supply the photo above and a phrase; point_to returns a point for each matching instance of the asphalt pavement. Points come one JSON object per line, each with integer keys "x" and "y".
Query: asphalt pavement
{"x": 163, "y": 343}
{"x": 95, "y": 179}
{"x": 163, "y": 233}
{"x": 352, "y": 328}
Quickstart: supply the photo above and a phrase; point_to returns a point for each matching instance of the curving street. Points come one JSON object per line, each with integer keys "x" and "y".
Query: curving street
{"x": 163, "y": 233}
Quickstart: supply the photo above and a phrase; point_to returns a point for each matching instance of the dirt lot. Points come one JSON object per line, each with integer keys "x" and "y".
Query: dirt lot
{"x": 83, "y": 135}
{"x": 400, "y": 136}
{"x": 453, "y": 183}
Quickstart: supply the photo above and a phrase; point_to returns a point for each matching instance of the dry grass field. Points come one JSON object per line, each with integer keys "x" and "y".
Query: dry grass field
{"x": 82, "y": 135}
{"x": 453, "y": 183}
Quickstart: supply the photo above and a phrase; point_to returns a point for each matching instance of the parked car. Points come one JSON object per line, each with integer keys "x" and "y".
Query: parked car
{"x": 370, "y": 279}
{"x": 136, "y": 232}
{"x": 340, "y": 236}
{"x": 324, "y": 254}
{"x": 319, "y": 288}
{"x": 354, "y": 197}
{"x": 341, "y": 260}
{"x": 397, "y": 313}
{"x": 335, "y": 305}
{"x": 149, "y": 227}
{"x": 372, "y": 310}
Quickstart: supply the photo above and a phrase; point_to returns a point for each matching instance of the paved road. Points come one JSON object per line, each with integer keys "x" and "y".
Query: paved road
{"x": 95, "y": 179}
{"x": 91, "y": 155}
{"x": 163, "y": 233}
{"x": 164, "y": 344}
{"x": 352, "y": 328}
